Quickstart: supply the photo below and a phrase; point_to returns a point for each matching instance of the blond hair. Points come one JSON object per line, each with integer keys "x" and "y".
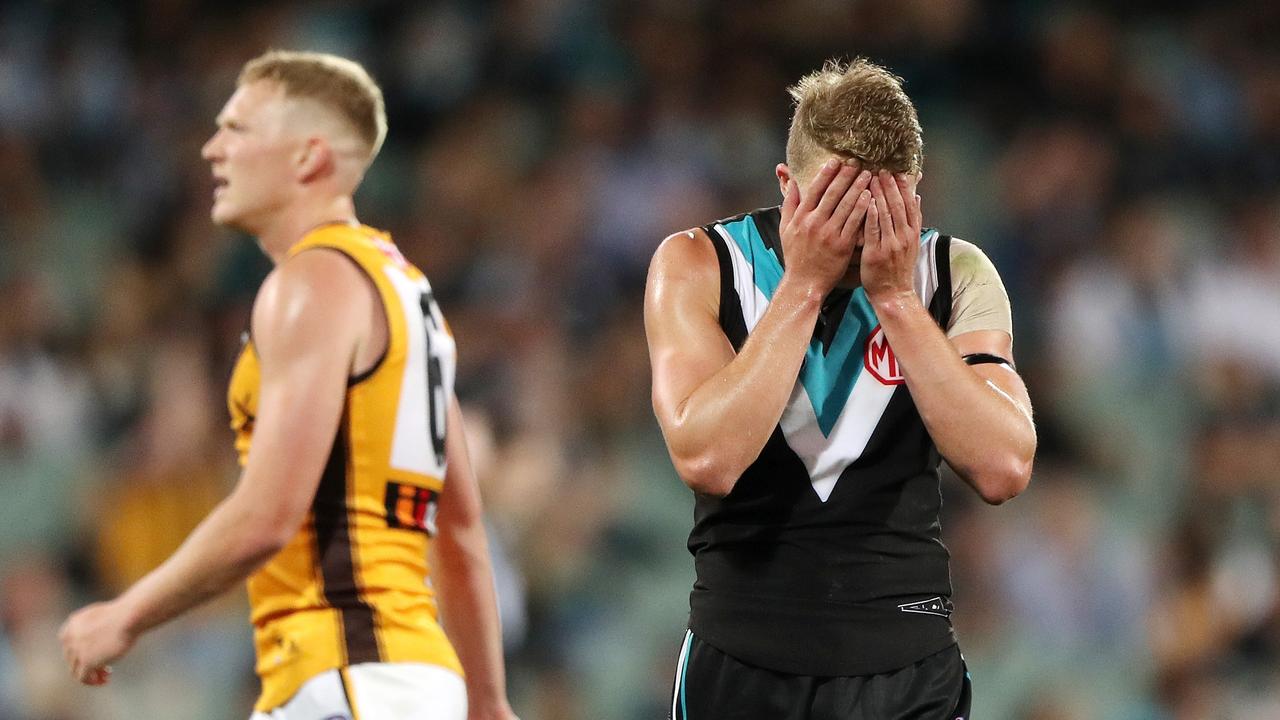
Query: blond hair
{"x": 332, "y": 81}
{"x": 856, "y": 111}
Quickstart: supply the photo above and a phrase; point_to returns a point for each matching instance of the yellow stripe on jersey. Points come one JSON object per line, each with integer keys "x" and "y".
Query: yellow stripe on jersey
{"x": 351, "y": 586}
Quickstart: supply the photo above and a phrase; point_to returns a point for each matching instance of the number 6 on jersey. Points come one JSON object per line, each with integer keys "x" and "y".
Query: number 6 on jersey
{"x": 419, "y": 442}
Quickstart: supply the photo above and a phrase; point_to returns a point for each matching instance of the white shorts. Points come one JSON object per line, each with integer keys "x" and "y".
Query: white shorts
{"x": 377, "y": 691}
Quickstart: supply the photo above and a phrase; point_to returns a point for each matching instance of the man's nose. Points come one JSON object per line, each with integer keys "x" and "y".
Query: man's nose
{"x": 208, "y": 152}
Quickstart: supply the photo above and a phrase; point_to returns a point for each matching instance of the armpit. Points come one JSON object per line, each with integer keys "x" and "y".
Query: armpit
{"x": 978, "y": 297}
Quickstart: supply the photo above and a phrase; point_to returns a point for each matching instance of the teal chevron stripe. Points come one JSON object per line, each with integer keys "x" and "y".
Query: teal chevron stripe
{"x": 766, "y": 268}
{"x": 828, "y": 378}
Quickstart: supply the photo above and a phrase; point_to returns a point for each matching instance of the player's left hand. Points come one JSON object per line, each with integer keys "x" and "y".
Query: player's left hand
{"x": 92, "y": 638}
{"x": 891, "y": 239}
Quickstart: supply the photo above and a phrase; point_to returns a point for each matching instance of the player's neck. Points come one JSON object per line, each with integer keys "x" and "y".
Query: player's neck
{"x": 290, "y": 225}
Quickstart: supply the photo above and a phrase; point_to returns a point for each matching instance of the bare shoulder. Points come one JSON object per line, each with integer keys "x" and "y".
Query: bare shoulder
{"x": 316, "y": 289}
{"x": 686, "y": 246}
{"x": 684, "y": 262}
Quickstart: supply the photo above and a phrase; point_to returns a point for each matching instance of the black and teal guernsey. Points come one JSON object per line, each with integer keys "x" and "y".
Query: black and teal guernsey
{"x": 826, "y": 558}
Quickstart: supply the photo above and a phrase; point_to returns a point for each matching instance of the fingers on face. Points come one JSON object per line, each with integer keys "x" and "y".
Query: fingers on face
{"x": 859, "y": 198}
{"x": 847, "y": 204}
{"x": 894, "y": 203}
{"x": 871, "y": 237}
{"x": 836, "y": 191}
{"x": 884, "y": 218}
{"x": 819, "y": 184}
{"x": 910, "y": 200}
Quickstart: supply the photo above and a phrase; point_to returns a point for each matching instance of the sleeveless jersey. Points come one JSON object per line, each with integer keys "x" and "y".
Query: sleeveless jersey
{"x": 826, "y": 559}
{"x": 351, "y": 586}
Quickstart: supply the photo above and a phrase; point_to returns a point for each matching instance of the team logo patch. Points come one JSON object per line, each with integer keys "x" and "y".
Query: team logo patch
{"x": 939, "y": 606}
{"x": 880, "y": 360}
{"x": 391, "y": 252}
{"x": 411, "y": 507}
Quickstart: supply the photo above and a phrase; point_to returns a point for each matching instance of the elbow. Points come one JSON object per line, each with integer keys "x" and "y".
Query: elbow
{"x": 707, "y": 475}
{"x": 705, "y": 463}
{"x": 263, "y": 536}
{"x": 1001, "y": 483}
{"x": 261, "y": 526}
{"x": 261, "y": 545}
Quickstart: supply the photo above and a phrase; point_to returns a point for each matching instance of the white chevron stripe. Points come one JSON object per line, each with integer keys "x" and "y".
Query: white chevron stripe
{"x": 826, "y": 456}
{"x": 753, "y": 301}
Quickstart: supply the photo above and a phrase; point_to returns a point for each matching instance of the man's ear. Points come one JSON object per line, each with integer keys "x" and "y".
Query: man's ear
{"x": 314, "y": 159}
{"x": 784, "y": 177}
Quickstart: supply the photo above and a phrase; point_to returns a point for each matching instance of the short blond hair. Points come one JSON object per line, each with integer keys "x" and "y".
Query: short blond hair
{"x": 856, "y": 111}
{"x": 333, "y": 81}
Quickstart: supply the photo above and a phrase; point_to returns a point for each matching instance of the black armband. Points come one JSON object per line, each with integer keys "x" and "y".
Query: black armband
{"x": 988, "y": 359}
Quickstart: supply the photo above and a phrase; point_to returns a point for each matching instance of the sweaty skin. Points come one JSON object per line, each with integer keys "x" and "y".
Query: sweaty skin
{"x": 978, "y": 416}
{"x": 717, "y": 409}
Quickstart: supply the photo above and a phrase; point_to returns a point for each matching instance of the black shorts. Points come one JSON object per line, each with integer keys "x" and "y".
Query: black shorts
{"x": 711, "y": 685}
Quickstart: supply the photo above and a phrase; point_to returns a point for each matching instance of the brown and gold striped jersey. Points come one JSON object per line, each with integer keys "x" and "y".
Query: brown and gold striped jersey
{"x": 351, "y": 586}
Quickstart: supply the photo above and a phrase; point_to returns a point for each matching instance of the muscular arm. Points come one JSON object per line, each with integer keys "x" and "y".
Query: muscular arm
{"x": 979, "y": 416}
{"x": 307, "y": 322}
{"x": 717, "y": 410}
{"x": 464, "y": 580}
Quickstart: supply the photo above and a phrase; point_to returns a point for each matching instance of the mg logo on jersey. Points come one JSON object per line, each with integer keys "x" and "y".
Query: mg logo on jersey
{"x": 880, "y": 360}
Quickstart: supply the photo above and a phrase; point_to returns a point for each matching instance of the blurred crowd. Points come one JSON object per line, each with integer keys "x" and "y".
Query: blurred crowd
{"x": 1121, "y": 165}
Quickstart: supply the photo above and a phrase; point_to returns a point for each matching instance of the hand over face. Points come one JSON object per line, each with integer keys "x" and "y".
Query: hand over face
{"x": 818, "y": 226}
{"x": 892, "y": 238}
{"x": 93, "y": 637}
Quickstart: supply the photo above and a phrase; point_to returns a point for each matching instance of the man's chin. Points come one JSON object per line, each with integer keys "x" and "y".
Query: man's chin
{"x": 222, "y": 217}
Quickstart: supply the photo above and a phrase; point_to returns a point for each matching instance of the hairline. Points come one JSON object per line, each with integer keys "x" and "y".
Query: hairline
{"x": 293, "y": 99}
{"x": 809, "y": 150}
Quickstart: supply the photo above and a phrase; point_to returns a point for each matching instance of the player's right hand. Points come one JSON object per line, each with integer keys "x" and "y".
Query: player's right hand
{"x": 92, "y": 638}
{"x": 819, "y": 225}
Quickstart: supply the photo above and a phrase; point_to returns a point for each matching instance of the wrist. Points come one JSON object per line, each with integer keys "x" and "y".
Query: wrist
{"x": 894, "y": 303}
{"x": 126, "y": 618}
{"x": 130, "y": 612}
{"x": 805, "y": 292}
